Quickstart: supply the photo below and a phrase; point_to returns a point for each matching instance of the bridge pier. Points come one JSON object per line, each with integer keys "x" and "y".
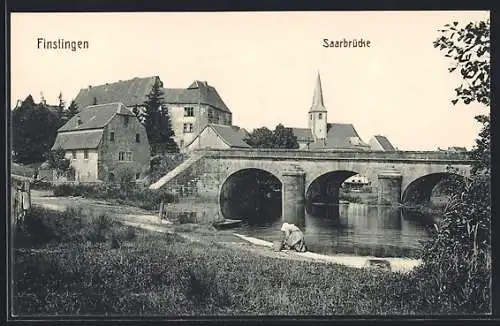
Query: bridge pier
{"x": 389, "y": 189}
{"x": 293, "y": 192}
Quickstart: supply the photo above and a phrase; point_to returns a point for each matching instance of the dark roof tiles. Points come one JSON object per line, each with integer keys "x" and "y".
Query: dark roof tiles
{"x": 340, "y": 136}
{"x": 80, "y": 140}
{"x": 385, "y": 143}
{"x": 197, "y": 92}
{"x": 303, "y": 134}
{"x": 129, "y": 92}
{"x": 95, "y": 116}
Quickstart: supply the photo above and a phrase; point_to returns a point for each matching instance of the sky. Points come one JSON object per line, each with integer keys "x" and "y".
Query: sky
{"x": 264, "y": 65}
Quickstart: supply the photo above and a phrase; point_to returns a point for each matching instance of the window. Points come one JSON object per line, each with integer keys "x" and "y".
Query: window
{"x": 188, "y": 128}
{"x": 125, "y": 156}
{"x": 311, "y": 116}
{"x": 125, "y": 121}
{"x": 137, "y": 175}
{"x": 210, "y": 115}
{"x": 320, "y": 115}
{"x": 86, "y": 154}
{"x": 182, "y": 143}
{"x": 111, "y": 136}
{"x": 111, "y": 177}
{"x": 188, "y": 111}
{"x": 137, "y": 138}
{"x": 73, "y": 153}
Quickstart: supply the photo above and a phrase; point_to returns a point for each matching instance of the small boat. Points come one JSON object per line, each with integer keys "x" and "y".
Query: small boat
{"x": 227, "y": 224}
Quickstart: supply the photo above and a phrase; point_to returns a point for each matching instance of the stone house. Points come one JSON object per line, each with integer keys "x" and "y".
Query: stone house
{"x": 190, "y": 109}
{"x": 219, "y": 137}
{"x": 104, "y": 142}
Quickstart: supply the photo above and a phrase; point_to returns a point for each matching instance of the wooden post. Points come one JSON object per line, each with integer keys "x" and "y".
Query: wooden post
{"x": 161, "y": 211}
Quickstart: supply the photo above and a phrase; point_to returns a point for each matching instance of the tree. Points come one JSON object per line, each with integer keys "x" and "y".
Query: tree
{"x": 469, "y": 47}
{"x": 72, "y": 110}
{"x": 60, "y": 106}
{"x": 56, "y": 160}
{"x": 156, "y": 119}
{"x": 281, "y": 137}
{"x": 261, "y": 138}
{"x": 34, "y": 129}
{"x": 456, "y": 272}
{"x": 284, "y": 138}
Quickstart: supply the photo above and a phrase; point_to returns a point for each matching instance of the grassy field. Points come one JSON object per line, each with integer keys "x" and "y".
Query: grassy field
{"x": 68, "y": 264}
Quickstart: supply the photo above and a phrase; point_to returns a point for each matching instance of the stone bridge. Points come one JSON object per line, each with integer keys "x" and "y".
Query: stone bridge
{"x": 393, "y": 175}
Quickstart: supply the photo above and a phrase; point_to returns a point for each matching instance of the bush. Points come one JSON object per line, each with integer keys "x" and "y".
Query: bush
{"x": 162, "y": 164}
{"x": 456, "y": 274}
{"x": 43, "y": 226}
{"x": 127, "y": 192}
{"x": 100, "y": 229}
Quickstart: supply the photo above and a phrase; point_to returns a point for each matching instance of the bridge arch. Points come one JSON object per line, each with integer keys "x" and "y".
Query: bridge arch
{"x": 324, "y": 189}
{"x": 251, "y": 194}
{"x": 419, "y": 190}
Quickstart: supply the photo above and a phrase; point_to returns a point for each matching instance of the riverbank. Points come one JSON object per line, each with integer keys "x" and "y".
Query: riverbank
{"x": 179, "y": 272}
{"x": 140, "y": 218}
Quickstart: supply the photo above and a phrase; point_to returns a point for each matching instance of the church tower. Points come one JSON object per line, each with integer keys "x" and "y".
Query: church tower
{"x": 317, "y": 114}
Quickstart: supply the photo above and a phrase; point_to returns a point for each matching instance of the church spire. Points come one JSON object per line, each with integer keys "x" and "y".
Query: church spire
{"x": 318, "y": 104}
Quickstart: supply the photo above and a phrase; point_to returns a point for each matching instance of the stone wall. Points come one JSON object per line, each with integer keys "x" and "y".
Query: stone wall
{"x": 124, "y": 141}
{"x": 85, "y": 168}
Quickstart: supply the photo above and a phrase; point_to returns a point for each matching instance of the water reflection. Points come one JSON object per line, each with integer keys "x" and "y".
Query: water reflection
{"x": 353, "y": 229}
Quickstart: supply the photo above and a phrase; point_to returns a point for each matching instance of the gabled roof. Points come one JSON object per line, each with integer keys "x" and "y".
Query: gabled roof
{"x": 79, "y": 140}
{"x": 231, "y": 135}
{"x": 384, "y": 142}
{"x": 340, "y": 136}
{"x": 303, "y": 134}
{"x": 129, "y": 92}
{"x": 197, "y": 92}
{"x": 95, "y": 116}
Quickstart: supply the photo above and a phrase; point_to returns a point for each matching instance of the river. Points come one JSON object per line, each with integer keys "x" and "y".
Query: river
{"x": 349, "y": 228}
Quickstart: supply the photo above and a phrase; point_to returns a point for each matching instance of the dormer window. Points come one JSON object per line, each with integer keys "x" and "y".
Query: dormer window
{"x": 79, "y": 121}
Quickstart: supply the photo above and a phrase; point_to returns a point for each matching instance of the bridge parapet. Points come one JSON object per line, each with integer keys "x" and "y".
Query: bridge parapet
{"x": 287, "y": 154}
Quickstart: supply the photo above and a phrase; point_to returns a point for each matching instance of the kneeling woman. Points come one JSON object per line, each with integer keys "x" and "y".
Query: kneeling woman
{"x": 293, "y": 238}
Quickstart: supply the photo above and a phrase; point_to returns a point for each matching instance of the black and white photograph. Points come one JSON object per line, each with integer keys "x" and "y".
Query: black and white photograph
{"x": 249, "y": 163}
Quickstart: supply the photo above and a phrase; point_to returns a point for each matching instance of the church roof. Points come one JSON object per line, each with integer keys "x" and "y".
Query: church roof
{"x": 318, "y": 104}
{"x": 129, "y": 92}
{"x": 303, "y": 134}
{"x": 340, "y": 136}
{"x": 198, "y": 92}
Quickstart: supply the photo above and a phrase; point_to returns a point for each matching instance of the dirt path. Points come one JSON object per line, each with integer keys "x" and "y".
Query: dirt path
{"x": 147, "y": 220}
